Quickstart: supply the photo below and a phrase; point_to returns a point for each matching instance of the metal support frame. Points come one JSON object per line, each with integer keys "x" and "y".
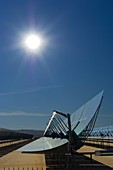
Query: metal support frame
{"x": 59, "y": 129}
{"x": 68, "y": 116}
{"x": 69, "y": 122}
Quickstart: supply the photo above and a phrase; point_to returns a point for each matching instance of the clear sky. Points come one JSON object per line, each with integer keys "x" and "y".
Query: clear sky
{"x": 74, "y": 65}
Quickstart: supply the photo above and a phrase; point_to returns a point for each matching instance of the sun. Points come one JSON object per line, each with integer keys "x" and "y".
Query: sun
{"x": 32, "y": 42}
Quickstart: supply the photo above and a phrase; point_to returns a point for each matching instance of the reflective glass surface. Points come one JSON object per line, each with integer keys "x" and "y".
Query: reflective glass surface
{"x": 43, "y": 144}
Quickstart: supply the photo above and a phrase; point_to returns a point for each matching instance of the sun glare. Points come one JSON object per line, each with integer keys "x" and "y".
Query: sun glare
{"x": 33, "y": 42}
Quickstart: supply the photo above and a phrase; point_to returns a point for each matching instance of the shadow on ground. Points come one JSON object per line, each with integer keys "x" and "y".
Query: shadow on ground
{"x": 73, "y": 162}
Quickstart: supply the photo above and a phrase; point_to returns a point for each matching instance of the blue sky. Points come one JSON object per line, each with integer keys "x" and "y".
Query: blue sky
{"x": 75, "y": 64}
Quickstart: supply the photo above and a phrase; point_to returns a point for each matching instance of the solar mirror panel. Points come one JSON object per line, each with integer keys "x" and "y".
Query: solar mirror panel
{"x": 57, "y": 130}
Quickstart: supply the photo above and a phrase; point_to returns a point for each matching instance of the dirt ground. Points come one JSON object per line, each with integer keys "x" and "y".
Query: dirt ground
{"x": 22, "y": 161}
{"x": 106, "y": 160}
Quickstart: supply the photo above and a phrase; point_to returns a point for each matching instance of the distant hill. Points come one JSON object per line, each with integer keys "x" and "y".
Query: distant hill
{"x": 35, "y": 133}
{"x": 3, "y": 130}
{"x": 12, "y": 134}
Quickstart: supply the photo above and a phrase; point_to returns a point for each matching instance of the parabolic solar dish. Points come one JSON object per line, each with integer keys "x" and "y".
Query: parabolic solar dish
{"x": 63, "y": 128}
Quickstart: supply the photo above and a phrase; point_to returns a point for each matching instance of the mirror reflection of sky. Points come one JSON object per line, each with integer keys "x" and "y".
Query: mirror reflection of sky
{"x": 74, "y": 64}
